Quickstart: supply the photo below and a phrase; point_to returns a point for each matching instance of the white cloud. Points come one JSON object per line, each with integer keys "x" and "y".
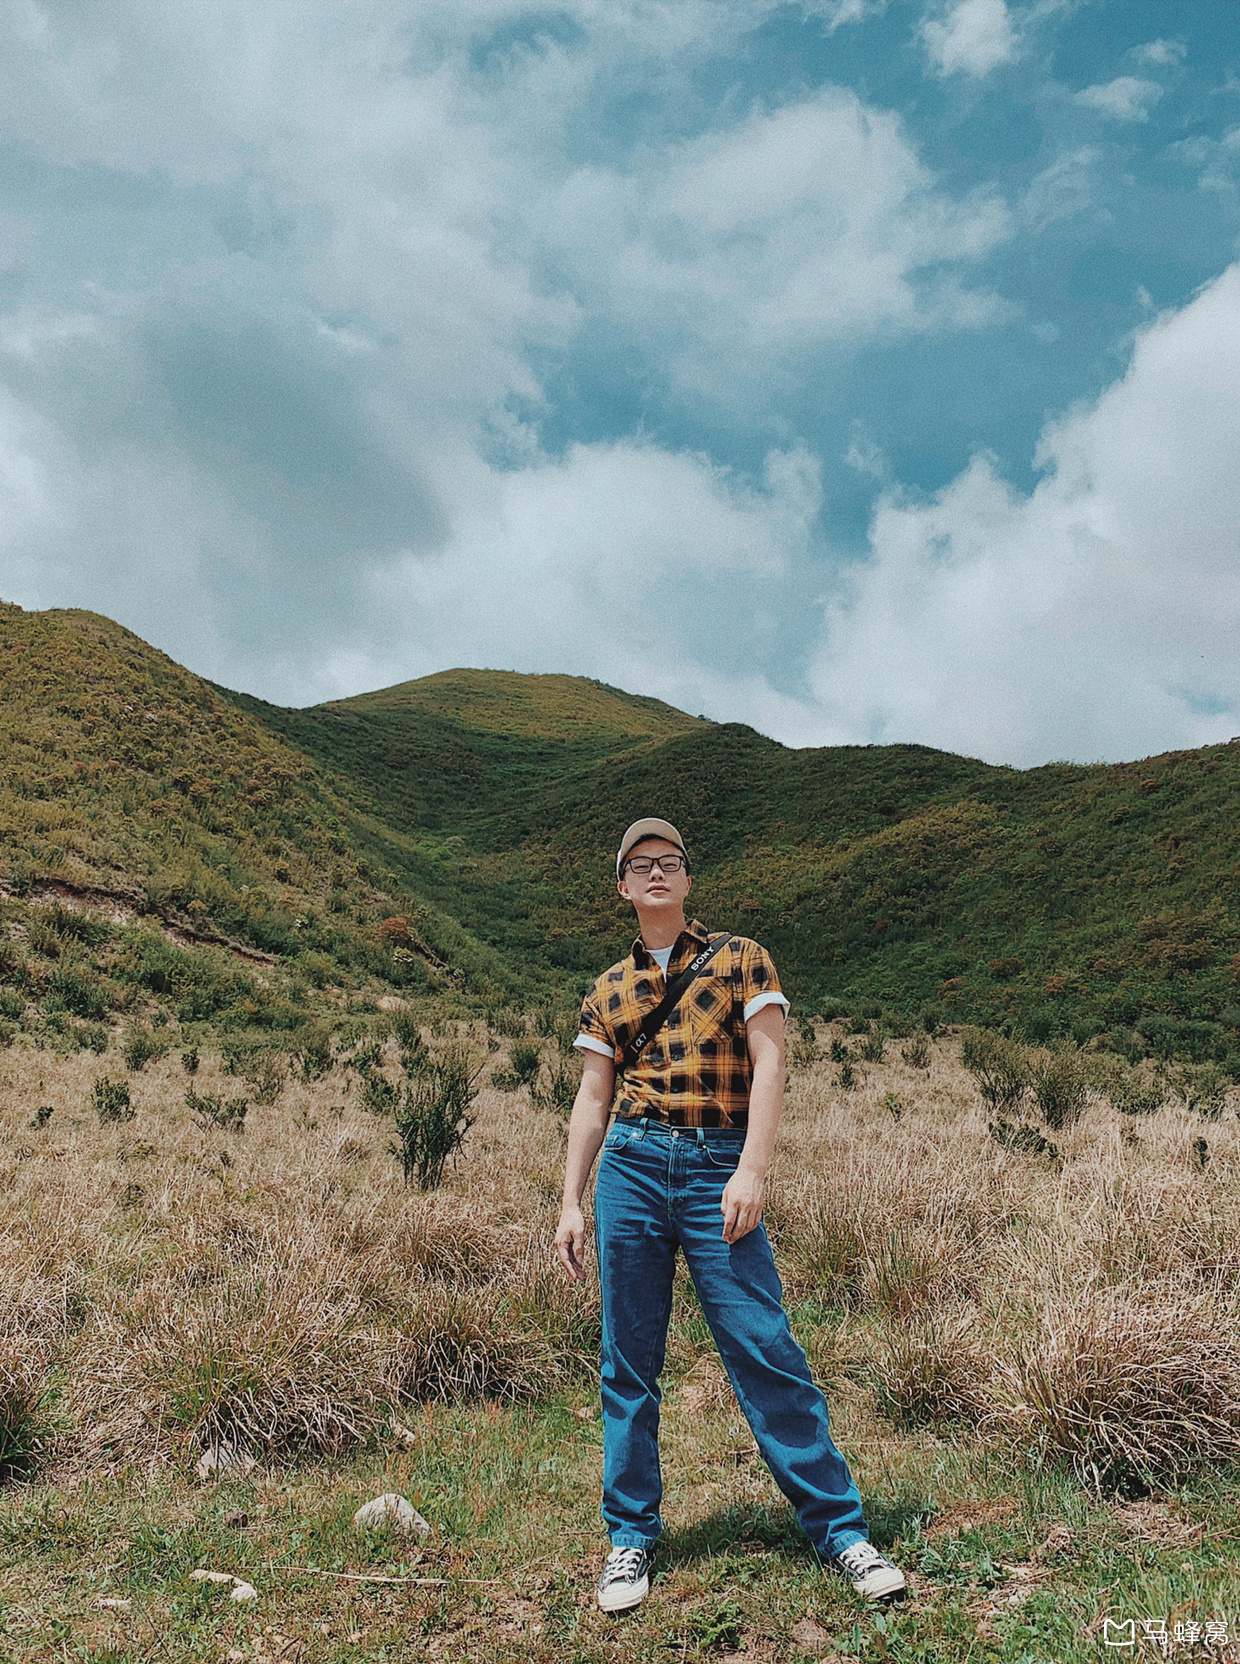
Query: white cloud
{"x": 1161, "y": 53}
{"x": 809, "y": 224}
{"x": 1098, "y": 617}
{"x": 1127, "y": 98}
{"x": 976, "y": 36}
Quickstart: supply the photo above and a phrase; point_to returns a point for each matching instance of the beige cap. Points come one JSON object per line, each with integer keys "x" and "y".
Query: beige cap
{"x": 648, "y": 829}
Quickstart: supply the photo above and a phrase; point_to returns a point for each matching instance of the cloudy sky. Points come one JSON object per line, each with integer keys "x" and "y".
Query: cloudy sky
{"x": 864, "y": 370}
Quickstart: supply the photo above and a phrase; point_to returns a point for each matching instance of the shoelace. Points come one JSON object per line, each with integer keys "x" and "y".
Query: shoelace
{"x": 622, "y": 1564}
{"x": 859, "y": 1557}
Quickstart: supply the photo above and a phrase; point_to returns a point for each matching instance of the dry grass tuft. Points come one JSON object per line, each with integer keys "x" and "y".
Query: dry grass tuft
{"x": 1131, "y": 1391}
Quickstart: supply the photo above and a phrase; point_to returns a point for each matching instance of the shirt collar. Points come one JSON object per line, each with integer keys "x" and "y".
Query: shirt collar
{"x": 696, "y": 930}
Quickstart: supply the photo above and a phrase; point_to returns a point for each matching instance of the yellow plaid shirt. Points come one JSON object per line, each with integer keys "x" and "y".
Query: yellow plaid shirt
{"x": 696, "y": 1071}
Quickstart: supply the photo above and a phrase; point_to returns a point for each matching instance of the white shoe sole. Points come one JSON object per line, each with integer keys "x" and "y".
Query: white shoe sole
{"x": 623, "y": 1598}
{"x": 882, "y": 1584}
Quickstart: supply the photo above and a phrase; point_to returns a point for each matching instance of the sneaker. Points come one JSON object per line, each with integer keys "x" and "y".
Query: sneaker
{"x": 869, "y": 1572}
{"x": 626, "y": 1579}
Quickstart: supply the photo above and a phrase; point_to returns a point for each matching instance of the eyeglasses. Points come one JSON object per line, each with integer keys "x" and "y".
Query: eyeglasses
{"x": 665, "y": 863}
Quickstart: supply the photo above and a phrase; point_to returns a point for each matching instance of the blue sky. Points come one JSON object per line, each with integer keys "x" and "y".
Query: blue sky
{"x": 864, "y": 371}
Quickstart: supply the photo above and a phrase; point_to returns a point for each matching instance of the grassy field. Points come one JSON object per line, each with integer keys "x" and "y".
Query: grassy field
{"x": 1032, "y": 1357}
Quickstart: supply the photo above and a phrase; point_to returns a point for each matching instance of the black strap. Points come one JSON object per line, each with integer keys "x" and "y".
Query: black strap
{"x": 675, "y": 992}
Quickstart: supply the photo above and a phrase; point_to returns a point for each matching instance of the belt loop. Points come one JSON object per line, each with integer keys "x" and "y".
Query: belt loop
{"x": 701, "y": 1138}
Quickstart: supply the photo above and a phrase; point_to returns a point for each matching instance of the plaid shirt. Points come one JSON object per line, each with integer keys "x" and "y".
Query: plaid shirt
{"x": 696, "y": 1071}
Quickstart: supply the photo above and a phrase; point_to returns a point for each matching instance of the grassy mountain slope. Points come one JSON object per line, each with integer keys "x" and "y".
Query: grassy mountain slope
{"x": 484, "y": 807}
{"x": 131, "y": 786}
{"x": 1064, "y": 899}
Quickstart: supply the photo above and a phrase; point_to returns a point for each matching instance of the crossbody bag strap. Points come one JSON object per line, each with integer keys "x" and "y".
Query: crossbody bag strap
{"x": 671, "y": 999}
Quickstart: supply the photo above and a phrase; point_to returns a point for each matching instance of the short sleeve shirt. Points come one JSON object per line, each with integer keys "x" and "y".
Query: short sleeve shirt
{"x": 696, "y": 1072}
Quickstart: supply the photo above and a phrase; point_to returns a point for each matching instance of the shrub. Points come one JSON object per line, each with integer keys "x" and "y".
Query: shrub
{"x": 12, "y": 1004}
{"x": 1132, "y": 1095}
{"x": 846, "y": 1077}
{"x": 315, "y": 1054}
{"x": 189, "y": 1060}
{"x": 210, "y": 1109}
{"x": 77, "y": 994}
{"x": 525, "y": 1060}
{"x": 1021, "y": 1139}
{"x": 110, "y": 1100}
{"x": 139, "y": 1046}
{"x": 378, "y": 1094}
{"x": 94, "y": 1038}
{"x": 1201, "y": 1088}
{"x": 917, "y": 1053}
{"x": 1060, "y": 1089}
{"x": 839, "y": 1051}
{"x": 893, "y": 1104}
{"x": 872, "y": 1048}
{"x": 563, "y": 1079}
{"x": 999, "y": 1066}
{"x": 42, "y": 1116}
{"x": 413, "y": 1053}
{"x": 1131, "y": 1393}
{"x": 432, "y": 1118}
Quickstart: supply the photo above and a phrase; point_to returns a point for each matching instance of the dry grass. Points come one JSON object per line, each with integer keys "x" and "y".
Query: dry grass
{"x": 279, "y": 1288}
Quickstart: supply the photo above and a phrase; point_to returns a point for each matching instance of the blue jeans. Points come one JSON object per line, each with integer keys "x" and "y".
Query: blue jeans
{"x": 658, "y": 1190}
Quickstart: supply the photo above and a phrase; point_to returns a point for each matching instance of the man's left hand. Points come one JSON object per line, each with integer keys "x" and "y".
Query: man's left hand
{"x": 742, "y": 1204}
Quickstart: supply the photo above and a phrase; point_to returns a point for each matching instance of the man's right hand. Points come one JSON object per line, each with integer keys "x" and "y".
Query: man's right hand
{"x": 570, "y": 1243}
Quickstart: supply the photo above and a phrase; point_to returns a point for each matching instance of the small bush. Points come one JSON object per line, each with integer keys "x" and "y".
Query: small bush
{"x": 563, "y": 1079}
{"x": 413, "y": 1054}
{"x": 1202, "y": 1088}
{"x": 872, "y": 1048}
{"x": 42, "y": 1116}
{"x": 525, "y": 1060}
{"x": 839, "y": 1051}
{"x": 314, "y": 1055}
{"x": 999, "y": 1066}
{"x": 80, "y": 995}
{"x": 1132, "y": 1095}
{"x": 1060, "y": 1089}
{"x": 846, "y": 1076}
{"x": 917, "y": 1053}
{"x": 432, "y": 1118}
{"x": 110, "y": 1100}
{"x": 366, "y": 1058}
{"x": 94, "y": 1038}
{"x": 1021, "y": 1139}
{"x": 12, "y": 1004}
{"x": 378, "y": 1094}
{"x": 893, "y": 1104}
{"x": 210, "y": 1109}
{"x": 189, "y": 1060}
{"x": 139, "y": 1046}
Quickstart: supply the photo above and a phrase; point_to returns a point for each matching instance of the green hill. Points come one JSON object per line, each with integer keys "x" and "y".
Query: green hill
{"x": 188, "y": 849}
{"x": 482, "y": 807}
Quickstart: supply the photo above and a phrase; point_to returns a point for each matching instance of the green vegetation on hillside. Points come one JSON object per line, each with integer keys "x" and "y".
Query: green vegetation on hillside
{"x": 481, "y": 808}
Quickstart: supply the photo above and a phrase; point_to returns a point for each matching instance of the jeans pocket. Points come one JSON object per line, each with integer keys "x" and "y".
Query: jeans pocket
{"x": 618, "y": 1135}
{"x": 726, "y": 1157}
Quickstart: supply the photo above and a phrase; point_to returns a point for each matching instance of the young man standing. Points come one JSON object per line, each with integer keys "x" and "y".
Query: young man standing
{"x": 684, "y": 1168}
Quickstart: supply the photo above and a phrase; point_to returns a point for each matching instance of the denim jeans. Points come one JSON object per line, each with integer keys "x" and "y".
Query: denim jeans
{"x": 659, "y": 1190}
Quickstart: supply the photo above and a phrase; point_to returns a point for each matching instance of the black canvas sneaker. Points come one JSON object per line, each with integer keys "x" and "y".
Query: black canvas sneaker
{"x": 625, "y": 1581}
{"x": 869, "y": 1572}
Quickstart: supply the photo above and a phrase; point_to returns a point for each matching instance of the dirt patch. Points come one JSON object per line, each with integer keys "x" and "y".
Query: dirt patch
{"x": 969, "y": 1516}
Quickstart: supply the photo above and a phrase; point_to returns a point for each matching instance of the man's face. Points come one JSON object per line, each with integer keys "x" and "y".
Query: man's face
{"x": 655, "y": 888}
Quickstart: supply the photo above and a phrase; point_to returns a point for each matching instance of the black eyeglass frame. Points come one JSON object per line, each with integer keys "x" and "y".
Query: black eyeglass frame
{"x": 651, "y": 861}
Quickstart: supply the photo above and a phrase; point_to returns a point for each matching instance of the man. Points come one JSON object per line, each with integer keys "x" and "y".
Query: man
{"x": 684, "y": 1168}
